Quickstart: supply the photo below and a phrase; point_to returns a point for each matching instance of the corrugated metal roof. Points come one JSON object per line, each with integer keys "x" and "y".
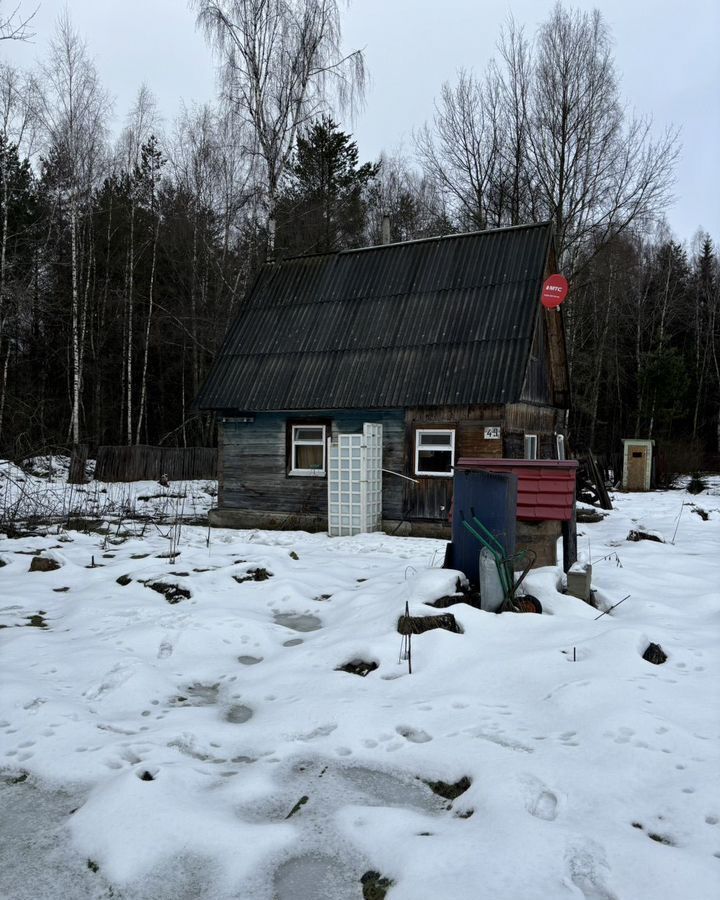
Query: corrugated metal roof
{"x": 432, "y": 322}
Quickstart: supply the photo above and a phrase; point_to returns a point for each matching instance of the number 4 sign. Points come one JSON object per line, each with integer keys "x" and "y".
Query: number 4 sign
{"x": 492, "y": 433}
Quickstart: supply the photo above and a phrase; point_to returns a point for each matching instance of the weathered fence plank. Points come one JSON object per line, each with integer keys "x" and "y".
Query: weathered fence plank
{"x": 145, "y": 463}
{"x": 78, "y": 458}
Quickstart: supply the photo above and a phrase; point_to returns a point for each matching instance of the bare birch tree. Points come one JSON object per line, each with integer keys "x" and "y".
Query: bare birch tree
{"x": 544, "y": 136}
{"x": 16, "y": 25}
{"x": 196, "y": 163}
{"x": 460, "y": 152}
{"x": 594, "y": 172}
{"x": 282, "y": 62}
{"x": 72, "y": 110}
{"x": 18, "y": 121}
{"x": 148, "y": 174}
{"x": 513, "y": 79}
{"x": 142, "y": 121}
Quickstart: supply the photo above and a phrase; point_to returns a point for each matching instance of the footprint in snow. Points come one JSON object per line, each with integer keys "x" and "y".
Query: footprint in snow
{"x": 540, "y": 801}
{"x": 544, "y": 806}
{"x": 165, "y": 649}
{"x": 415, "y": 735}
{"x": 587, "y": 868}
{"x": 117, "y": 676}
{"x": 320, "y": 731}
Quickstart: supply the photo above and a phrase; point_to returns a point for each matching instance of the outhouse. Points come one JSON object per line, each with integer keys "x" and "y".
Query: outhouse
{"x": 637, "y": 464}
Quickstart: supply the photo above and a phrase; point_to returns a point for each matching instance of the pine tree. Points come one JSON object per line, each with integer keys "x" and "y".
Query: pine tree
{"x": 322, "y": 206}
{"x": 703, "y": 341}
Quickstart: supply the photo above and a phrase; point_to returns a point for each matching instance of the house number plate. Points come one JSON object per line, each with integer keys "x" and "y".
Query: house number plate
{"x": 492, "y": 433}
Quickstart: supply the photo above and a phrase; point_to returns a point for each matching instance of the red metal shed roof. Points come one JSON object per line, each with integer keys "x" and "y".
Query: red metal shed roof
{"x": 546, "y": 487}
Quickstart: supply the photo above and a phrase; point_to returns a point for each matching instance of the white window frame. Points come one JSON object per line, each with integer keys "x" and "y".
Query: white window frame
{"x": 560, "y": 445}
{"x": 531, "y": 446}
{"x": 451, "y": 447}
{"x": 295, "y": 442}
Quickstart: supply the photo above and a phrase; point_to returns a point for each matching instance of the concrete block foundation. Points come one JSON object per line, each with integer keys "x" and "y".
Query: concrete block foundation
{"x": 542, "y": 538}
{"x": 222, "y": 517}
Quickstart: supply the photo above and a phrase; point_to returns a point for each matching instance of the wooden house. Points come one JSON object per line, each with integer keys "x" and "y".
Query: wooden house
{"x": 443, "y": 341}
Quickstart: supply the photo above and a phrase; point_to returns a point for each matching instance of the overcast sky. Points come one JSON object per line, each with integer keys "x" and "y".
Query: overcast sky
{"x": 667, "y": 54}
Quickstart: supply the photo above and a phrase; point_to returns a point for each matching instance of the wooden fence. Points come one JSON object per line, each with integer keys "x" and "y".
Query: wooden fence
{"x": 144, "y": 463}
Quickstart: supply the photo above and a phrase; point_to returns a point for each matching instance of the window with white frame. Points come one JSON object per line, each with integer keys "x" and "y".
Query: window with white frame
{"x": 307, "y": 450}
{"x": 530, "y": 446}
{"x": 434, "y": 451}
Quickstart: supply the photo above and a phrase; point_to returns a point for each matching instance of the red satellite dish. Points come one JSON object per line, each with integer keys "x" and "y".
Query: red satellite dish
{"x": 554, "y": 291}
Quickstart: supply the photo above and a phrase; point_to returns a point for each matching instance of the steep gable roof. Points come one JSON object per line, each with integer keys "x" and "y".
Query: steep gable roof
{"x": 432, "y": 322}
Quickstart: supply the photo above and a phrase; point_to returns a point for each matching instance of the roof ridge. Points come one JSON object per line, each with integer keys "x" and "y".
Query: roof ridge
{"x": 438, "y": 237}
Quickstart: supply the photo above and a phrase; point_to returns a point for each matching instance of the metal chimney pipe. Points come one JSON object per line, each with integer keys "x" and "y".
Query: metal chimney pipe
{"x": 386, "y": 229}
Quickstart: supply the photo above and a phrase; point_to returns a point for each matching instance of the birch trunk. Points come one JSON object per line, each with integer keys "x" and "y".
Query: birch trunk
{"x": 3, "y": 388}
{"x": 130, "y": 276}
{"x": 3, "y": 257}
{"x": 3, "y": 251}
{"x": 143, "y": 388}
{"x": 75, "y": 327}
{"x": 193, "y": 312}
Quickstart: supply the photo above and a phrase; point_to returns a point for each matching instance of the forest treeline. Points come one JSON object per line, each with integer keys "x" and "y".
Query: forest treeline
{"x": 124, "y": 259}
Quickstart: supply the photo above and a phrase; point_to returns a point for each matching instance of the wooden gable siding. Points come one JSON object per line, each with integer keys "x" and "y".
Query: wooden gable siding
{"x": 430, "y": 498}
{"x": 529, "y": 418}
{"x": 556, "y": 344}
{"x": 255, "y": 462}
{"x": 534, "y": 419}
{"x": 547, "y": 379}
{"x": 537, "y": 385}
{"x": 557, "y": 353}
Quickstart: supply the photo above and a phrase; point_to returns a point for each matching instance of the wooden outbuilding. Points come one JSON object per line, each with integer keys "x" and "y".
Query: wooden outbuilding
{"x": 637, "y": 464}
{"x": 444, "y": 342}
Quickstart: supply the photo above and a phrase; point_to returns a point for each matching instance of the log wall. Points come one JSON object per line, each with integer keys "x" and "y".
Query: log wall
{"x": 253, "y": 469}
{"x": 254, "y": 473}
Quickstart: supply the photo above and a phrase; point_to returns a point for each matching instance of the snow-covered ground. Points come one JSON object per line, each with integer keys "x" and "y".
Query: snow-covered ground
{"x": 208, "y": 747}
{"x": 40, "y": 493}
